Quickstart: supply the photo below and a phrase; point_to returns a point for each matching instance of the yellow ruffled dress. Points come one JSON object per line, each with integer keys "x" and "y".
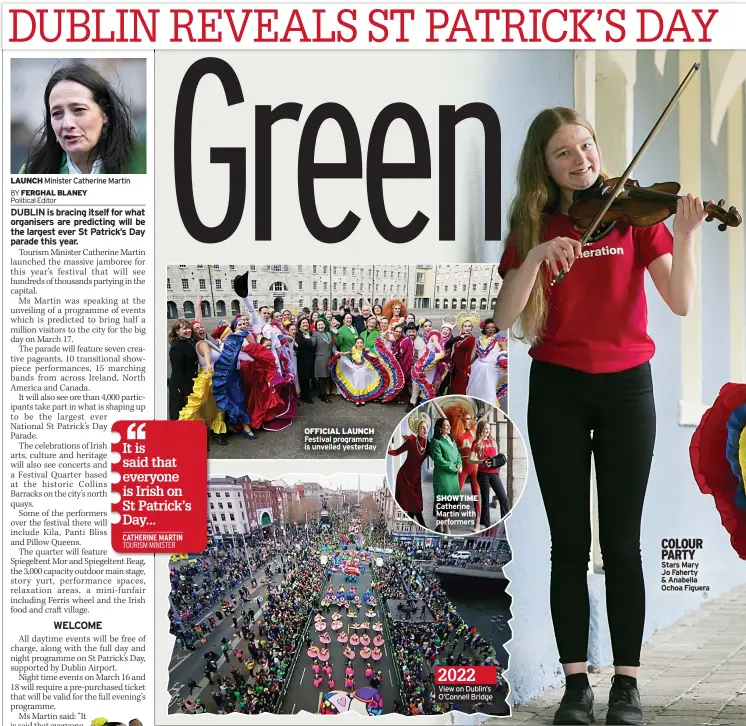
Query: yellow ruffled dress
{"x": 200, "y": 405}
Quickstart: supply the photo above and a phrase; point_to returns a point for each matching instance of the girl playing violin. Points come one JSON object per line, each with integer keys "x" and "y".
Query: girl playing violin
{"x": 591, "y": 353}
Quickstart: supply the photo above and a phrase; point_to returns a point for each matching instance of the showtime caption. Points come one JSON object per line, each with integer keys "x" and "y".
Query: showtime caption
{"x": 456, "y": 510}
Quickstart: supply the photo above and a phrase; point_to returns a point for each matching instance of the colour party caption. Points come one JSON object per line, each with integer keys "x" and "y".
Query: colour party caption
{"x": 680, "y": 573}
{"x": 160, "y": 470}
{"x": 339, "y": 439}
{"x": 476, "y": 684}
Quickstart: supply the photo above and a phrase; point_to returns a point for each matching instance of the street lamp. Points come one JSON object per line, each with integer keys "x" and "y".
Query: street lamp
{"x": 246, "y": 553}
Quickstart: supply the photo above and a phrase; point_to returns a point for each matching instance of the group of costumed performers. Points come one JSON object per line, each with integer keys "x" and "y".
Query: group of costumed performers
{"x": 461, "y": 364}
{"x": 350, "y": 634}
{"x": 250, "y": 373}
{"x": 462, "y": 448}
{"x": 241, "y": 378}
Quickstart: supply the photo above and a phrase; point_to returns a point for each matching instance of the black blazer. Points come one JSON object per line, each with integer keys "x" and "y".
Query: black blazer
{"x": 184, "y": 364}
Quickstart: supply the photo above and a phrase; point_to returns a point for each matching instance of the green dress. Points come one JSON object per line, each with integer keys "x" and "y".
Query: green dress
{"x": 345, "y": 338}
{"x": 369, "y": 337}
{"x": 446, "y": 457}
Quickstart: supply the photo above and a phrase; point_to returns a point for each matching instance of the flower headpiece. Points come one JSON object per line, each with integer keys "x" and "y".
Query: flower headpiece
{"x": 464, "y": 315}
{"x": 415, "y": 419}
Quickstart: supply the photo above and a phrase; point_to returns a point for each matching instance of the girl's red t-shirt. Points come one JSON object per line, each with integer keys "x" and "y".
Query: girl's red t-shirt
{"x": 598, "y": 317}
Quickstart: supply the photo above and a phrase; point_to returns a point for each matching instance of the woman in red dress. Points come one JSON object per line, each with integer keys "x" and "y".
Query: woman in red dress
{"x": 462, "y": 353}
{"x": 258, "y": 369}
{"x": 463, "y": 431}
{"x": 408, "y": 492}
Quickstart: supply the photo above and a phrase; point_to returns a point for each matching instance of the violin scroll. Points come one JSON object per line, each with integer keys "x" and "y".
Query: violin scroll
{"x": 731, "y": 218}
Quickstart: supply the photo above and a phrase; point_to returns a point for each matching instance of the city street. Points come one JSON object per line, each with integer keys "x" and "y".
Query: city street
{"x": 186, "y": 664}
{"x": 266, "y": 667}
{"x": 302, "y": 696}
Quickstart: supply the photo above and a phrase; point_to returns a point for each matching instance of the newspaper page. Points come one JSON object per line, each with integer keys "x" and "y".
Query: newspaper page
{"x": 373, "y": 361}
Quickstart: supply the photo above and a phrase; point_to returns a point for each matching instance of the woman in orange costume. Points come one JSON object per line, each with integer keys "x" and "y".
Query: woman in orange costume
{"x": 396, "y": 312}
{"x": 463, "y": 431}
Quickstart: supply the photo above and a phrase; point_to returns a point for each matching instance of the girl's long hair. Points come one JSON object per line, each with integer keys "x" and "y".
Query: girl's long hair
{"x": 117, "y": 137}
{"x": 537, "y": 194}
{"x": 480, "y": 430}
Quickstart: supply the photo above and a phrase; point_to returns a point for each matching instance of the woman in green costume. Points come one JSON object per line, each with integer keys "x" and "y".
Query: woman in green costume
{"x": 447, "y": 460}
{"x": 370, "y": 333}
{"x": 346, "y": 335}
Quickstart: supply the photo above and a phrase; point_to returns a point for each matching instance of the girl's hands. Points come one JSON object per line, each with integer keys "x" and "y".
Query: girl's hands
{"x": 690, "y": 213}
{"x": 558, "y": 253}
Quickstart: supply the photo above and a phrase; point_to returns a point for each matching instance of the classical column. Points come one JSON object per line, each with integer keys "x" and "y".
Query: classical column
{"x": 690, "y": 176}
{"x": 736, "y": 238}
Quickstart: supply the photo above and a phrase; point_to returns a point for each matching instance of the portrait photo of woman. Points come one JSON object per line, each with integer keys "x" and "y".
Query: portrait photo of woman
{"x": 78, "y": 117}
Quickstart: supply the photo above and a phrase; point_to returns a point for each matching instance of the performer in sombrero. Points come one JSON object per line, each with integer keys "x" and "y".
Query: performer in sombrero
{"x": 408, "y": 492}
{"x": 201, "y": 405}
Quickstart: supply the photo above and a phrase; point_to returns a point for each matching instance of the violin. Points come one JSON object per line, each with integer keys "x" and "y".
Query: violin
{"x": 598, "y": 209}
{"x": 640, "y": 206}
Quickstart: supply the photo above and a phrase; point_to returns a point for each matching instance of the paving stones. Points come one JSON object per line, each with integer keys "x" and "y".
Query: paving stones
{"x": 693, "y": 672}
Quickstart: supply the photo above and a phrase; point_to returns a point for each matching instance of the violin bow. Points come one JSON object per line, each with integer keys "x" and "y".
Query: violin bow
{"x": 584, "y": 240}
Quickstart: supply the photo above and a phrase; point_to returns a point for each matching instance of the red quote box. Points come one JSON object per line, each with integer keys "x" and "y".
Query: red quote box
{"x": 163, "y": 487}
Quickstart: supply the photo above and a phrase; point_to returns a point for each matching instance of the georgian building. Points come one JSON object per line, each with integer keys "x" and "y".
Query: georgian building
{"x": 327, "y": 287}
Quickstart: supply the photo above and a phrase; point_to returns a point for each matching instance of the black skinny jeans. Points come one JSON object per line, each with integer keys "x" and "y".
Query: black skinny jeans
{"x": 486, "y": 482}
{"x": 571, "y": 416}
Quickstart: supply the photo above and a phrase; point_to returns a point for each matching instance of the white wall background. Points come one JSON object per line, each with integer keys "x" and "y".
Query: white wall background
{"x": 675, "y": 508}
